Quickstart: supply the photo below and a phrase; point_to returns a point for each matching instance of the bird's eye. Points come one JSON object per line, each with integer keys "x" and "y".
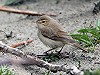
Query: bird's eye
{"x": 43, "y": 21}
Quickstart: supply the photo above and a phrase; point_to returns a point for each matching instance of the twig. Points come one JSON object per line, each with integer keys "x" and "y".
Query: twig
{"x": 27, "y": 59}
{"x": 33, "y": 13}
{"x": 21, "y": 43}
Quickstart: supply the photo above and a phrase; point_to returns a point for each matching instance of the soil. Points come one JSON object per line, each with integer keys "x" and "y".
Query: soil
{"x": 72, "y": 14}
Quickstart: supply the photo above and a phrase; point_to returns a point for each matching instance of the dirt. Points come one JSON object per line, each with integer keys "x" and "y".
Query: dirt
{"x": 72, "y": 14}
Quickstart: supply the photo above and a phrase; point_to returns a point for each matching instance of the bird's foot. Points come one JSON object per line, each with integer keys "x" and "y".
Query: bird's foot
{"x": 49, "y": 51}
{"x": 58, "y": 52}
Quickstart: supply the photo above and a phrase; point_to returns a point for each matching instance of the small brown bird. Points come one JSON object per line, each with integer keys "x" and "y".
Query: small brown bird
{"x": 52, "y": 35}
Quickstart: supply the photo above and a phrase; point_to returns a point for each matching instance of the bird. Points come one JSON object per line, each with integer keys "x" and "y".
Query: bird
{"x": 51, "y": 34}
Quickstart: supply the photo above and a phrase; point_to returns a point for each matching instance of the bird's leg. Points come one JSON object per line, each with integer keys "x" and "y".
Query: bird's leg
{"x": 61, "y": 49}
{"x": 49, "y": 50}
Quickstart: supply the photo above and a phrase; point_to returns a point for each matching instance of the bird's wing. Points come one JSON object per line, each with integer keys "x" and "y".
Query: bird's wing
{"x": 64, "y": 37}
{"x": 60, "y": 36}
{"x": 47, "y": 32}
{"x": 57, "y": 35}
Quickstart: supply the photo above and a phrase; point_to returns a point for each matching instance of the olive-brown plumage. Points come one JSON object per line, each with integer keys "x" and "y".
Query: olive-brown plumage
{"x": 51, "y": 33}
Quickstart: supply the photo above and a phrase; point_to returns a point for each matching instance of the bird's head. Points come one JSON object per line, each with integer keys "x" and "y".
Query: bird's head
{"x": 43, "y": 20}
{"x": 47, "y": 22}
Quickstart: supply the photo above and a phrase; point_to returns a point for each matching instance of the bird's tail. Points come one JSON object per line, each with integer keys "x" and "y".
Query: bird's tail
{"x": 79, "y": 46}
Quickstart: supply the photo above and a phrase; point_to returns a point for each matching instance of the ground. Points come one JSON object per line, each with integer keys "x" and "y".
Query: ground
{"x": 72, "y": 14}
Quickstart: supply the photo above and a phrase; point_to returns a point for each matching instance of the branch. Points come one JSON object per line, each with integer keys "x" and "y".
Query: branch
{"x": 21, "y": 43}
{"x": 33, "y": 60}
{"x": 33, "y": 13}
{"x": 9, "y": 61}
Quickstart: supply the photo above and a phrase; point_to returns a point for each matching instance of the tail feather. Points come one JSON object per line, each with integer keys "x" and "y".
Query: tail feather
{"x": 79, "y": 46}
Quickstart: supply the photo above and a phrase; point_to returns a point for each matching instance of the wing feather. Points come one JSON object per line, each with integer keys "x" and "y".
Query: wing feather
{"x": 57, "y": 35}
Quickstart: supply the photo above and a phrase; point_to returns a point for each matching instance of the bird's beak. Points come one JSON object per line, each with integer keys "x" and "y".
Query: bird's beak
{"x": 34, "y": 21}
{"x": 38, "y": 21}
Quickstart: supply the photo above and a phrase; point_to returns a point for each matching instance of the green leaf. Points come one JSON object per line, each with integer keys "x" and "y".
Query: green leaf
{"x": 5, "y": 71}
{"x": 94, "y": 33}
{"x": 81, "y": 38}
{"x": 97, "y": 25}
{"x": 83, "y": 31}
{"x": 96, "y": 72}
{"x": 87, "y": 72}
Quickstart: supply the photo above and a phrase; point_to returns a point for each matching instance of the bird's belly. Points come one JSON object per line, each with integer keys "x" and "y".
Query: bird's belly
{"x": 49, "y": 42}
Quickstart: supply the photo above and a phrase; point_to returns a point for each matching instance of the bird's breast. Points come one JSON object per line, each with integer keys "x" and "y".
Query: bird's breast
{"x": 49, "y": 42}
